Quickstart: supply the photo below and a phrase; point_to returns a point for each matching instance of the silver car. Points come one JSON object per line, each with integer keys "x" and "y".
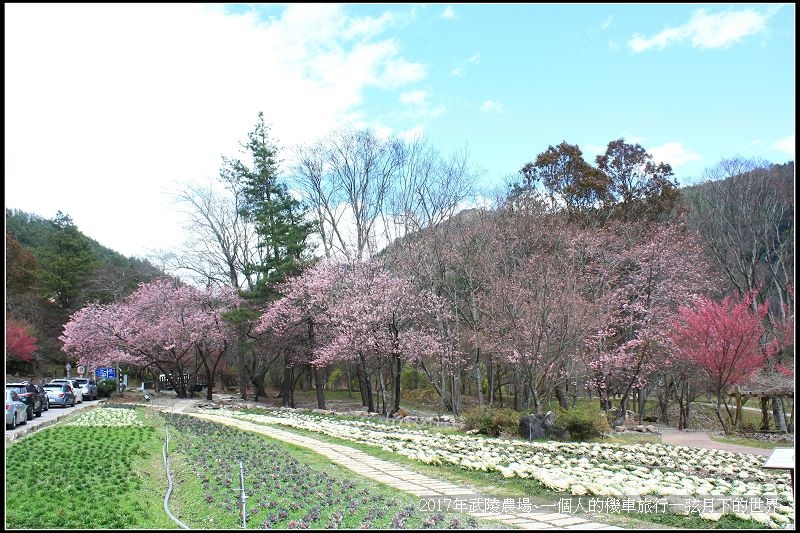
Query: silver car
{"x": 16, "y": 410}
{"x": 76, "y": 387}
{"x": 60, "y": 394}
{"x": 88, "y": 388}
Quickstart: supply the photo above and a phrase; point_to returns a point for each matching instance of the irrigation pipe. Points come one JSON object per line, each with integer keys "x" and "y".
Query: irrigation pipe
{"x": 169, "y": 488}
{"x": 244, "y": 496}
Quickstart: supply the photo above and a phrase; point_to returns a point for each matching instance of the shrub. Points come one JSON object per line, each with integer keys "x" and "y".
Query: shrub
{"x": 425, "y": 396}
{"x": 492, "y": 421}
{"x": 105, "y": 387}
{"x": 583, "y": 422}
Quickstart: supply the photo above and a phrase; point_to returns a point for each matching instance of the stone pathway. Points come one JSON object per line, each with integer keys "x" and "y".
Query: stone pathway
{"x": 406, "y": 480}
{"x": 700, "y": 439}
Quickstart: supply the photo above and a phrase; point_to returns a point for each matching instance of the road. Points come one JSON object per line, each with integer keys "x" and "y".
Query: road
{"x": 48, "y": 418}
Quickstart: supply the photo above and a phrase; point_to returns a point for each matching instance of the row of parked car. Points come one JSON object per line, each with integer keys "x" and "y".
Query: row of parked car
{"x": 25, "y": 400}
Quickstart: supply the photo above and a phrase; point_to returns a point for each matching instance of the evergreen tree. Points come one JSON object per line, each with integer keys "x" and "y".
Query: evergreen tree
{"x": 280, "y": 221}
{"x": 65, "y": 261}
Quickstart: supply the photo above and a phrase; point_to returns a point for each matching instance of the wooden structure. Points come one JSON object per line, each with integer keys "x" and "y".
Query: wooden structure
{"x": 742, "y": 394}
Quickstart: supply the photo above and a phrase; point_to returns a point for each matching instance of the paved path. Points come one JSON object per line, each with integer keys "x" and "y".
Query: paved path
{"x": 406, "y": 480}
{"x": 700, "y": 439}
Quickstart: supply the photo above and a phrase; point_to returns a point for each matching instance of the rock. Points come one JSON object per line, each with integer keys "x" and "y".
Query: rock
{"x": 536, "y": 426}
{"x": 620, "y": 428}
{"x": 651, "y": 429}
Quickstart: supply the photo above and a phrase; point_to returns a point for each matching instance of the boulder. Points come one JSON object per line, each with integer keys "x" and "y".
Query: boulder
{"x": 536, "y": 426}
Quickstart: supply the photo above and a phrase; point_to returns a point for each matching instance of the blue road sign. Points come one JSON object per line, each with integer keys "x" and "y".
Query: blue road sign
{"x": 106, "y": 373}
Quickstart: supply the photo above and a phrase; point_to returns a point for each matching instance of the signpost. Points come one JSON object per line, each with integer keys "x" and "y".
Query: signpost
{"x": 68, "y": 367}
{"x": 106, "y": 373}
{"x": 81, "y": 370}
{"x": 782, "y": 459}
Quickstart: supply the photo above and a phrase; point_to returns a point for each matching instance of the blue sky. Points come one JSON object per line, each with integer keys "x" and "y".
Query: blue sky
{"x": 110, "y": 107}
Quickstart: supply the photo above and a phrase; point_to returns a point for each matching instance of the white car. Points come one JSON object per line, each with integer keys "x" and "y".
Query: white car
{"x": 76, "y": 387}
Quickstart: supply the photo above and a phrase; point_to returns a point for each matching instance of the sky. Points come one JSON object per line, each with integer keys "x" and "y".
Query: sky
{"x": 110, "y": 108}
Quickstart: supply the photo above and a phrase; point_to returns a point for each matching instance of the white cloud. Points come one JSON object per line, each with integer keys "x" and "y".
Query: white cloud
{"x": 457, "y": 72}
{"x": 707, "y": 30}
{"x": 593, "y": 150}
{"x": 437, "y": 111}
{"x": 140, "y": 96}
{"x": 785, "y": 145}
{"x": 449, "y": 13}
{"x": 474, "y": 59}
{"x": 399, "y": 72}
{"x": 673, "y": 153}
{"x": 413, "y": 133}
{"x": 414, "y": 97}
{"x": 605, "y": 25}
{"x": 492, "y": 106}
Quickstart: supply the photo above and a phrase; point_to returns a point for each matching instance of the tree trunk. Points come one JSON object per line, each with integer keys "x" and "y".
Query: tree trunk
{"x": 367, "y": 393}
{"x": 490, "y": 370}
{"x": 779, "y": 414}
{"x": 764, "y": 415}
{"x": 718, "y": 411}
{"x": 396, "y": 392}
{"x": 561, "y": 396}
{"x": 738, "y": 420}
{"x": 287, "y": 393}
{"x": 642, "y": 405}
{"x": 319, "y": 383}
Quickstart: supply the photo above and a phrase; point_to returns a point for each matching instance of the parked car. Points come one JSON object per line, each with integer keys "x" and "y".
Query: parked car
{"x": 27, "y": 393}
{"x": 88, "y": 388}
{"x": 44, "y": 397}
{"x": 16, "y": 410}
{"x": 60, "y": 394}
{"x": 76, "y": 387}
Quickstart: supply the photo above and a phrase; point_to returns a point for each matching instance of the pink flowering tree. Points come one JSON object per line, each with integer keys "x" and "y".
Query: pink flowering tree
{"x": 298, "y": 319}
{"x": 641, "y": 275}
{"x": 358, "y": 313}
{"x": 382, "y": 320}
{"x": 724, "y": 342}
{"x": 165, "y": 326}
{"x": 534, "y": 322}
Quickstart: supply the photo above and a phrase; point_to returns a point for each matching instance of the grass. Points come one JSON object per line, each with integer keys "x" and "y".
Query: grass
{"x": 495, "y": 485}
{"x": 56, "y": 477}
{"x": 753, "y": 443}
{"x": 630, "y": 437}
{"x": 287, "y": 486}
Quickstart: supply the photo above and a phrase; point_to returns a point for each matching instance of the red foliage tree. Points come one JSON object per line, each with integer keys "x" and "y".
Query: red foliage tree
{"x": 20, "y": 344}
{"x": 724, "y": 341}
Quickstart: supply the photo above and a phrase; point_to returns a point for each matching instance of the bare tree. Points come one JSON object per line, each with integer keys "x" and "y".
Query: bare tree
{"x": 429, "y": 188}
{"x": 221, "y": 245}
{"x": 744, "y": 212}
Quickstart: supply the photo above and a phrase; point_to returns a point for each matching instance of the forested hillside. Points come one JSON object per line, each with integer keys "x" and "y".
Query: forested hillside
{"x": 52, "y": 269}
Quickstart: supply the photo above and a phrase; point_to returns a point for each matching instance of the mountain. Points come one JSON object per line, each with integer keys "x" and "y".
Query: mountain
{"x": 52, "y": 270}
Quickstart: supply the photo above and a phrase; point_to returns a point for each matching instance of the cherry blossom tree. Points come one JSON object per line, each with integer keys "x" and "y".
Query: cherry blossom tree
{"x": 165, "y": 326}
{"x": 360, "y": 313}
{"x": 724, "y": 341}
{"x": 534, "y": 322}
{"x": 641, "y": 275}
{"x": 384, "y": 318}
{"x": 295, "y": 321}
